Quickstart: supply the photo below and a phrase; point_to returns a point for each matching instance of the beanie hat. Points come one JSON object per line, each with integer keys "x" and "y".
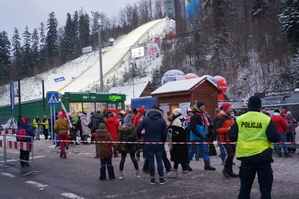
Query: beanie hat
{"x": 102, "y": 126}
{"x": 276, "y": 111}
{"x": 254, "y": 102}
{"x": 177, "y": 111}
{"x": 189, "y": 110}
{"x": 128, "y": 120}
{"x": 26, "y": 120}
{"x": 225, "y": 106}
{"x": 199, "y": 104}
{"x": 141, "y": 110}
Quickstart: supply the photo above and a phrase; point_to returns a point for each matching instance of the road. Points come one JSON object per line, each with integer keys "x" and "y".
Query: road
{"x": 77, "y": 177}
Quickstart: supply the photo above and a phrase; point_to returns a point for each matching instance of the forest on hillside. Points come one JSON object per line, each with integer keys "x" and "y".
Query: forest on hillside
{"x": 254, "y": 44}
{"x": 27, "y": 54}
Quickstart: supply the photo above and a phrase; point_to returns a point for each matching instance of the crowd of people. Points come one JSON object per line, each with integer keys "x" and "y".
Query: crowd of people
{"x": 140, "y": 125}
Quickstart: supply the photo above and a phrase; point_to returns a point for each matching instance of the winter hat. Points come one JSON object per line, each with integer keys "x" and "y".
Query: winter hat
{"x": 177, "y": 111}
{"x": 199, "y": 104}
{"x": 141, "y": 110}
{"x": 225, "y": 106}
{"x": 128, "y": 120}
{"x": 276, "y": 111}
{"x": 102, "y": 127}
{"x": 189, "y": 110}
{"x": 26, "y": 120}
{"x": 289, "y": 113}
{"x": 254, "y": 102}
{"x": 60, "y": 114}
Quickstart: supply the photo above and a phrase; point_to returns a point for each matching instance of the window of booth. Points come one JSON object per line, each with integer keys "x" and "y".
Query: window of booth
{"x": 111, "y": 106}
{"x": 76, "y": 107}
{"x": 119, "y": 106}
{"x": 88, "y": 107}
{"x": 101, "y": 105}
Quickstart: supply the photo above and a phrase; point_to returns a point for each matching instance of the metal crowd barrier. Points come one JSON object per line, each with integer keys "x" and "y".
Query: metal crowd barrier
{"x": 13, "y": 144}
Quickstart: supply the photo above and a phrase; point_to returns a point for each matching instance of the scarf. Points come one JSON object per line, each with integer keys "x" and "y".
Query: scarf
{"x": 204, "y": 119}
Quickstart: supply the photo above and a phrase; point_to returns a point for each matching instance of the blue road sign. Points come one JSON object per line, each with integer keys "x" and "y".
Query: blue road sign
{"x": 52, "y": 98}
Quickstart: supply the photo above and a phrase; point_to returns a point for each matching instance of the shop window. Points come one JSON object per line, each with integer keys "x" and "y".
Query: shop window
{"x": 111, "y": 106}
{"x": 101, "y": 106}
{"x": 75, "y": 107}
{"x": 88, "y": 107}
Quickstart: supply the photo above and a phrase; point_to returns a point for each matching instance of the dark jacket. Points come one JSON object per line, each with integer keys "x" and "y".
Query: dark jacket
{"x": 29, "y": 131}
{"x": 196, "y": 120}
{"x": 123, "y": 133}
{"x": 96, "y": 119}
{"x": 272, "y": 135}
{"x": 155, "y": 129}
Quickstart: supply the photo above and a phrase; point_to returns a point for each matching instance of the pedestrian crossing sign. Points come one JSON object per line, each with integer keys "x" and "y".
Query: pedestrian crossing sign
{"x": 52, "y": 98}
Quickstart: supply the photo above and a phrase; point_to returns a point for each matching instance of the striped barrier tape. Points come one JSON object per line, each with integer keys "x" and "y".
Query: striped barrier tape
{"x": 142, "y": 142}
{"x": 16, "y": 145}
{"x": 10, "y": 131}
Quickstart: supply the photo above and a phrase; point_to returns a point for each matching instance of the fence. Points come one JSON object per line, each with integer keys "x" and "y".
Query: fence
{"x": 11, "y": 144}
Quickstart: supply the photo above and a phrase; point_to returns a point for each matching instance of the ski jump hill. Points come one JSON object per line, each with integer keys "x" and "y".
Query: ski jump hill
{"x": 79, "y": 74}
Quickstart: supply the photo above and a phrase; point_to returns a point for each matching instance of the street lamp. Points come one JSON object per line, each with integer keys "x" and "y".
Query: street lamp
{"x": 99, "y": 23}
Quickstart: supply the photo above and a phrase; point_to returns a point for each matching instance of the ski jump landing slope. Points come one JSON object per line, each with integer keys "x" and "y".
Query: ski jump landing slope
{"x": 109, "y": 60}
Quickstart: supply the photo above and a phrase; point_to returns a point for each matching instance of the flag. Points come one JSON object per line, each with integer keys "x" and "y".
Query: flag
{"x": 65, "y": 115}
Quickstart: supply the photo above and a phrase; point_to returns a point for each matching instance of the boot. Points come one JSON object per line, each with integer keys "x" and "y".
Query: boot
{"x": 137, "y": 174}
{"x": 225, "y": 173}
{"x": 121, "y": 175}
{"x": 174, "y": 173}
{"x": 208, "y": 166}
{"x": 189, "y": 168}
{"x": 232, "y": 174}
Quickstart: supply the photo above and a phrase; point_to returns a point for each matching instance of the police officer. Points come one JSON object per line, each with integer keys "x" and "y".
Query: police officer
{"x": 254, "y": 132}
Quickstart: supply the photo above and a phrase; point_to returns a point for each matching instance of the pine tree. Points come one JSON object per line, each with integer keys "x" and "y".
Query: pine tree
{"x": 17, "y": 58}
{"x": 77, "y": 51}
{"x": 52, "y": 39}
{"x": 35, "y": 50}
{"x": 5, "y": 62}
{"x": 289, "y": 20}
{"x": 69, "y": 40}
{"x": 27, "y": 66}
{"x": 84, "y": 30}
{"x": 42, "y": 45}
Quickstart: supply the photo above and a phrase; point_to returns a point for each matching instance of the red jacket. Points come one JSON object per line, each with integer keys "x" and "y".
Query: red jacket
{"x": 279, "y": 122}
{"x": 223, "y": 124}
{"x": 112, "y": 126}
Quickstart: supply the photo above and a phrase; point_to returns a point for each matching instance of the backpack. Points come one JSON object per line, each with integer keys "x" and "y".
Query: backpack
{"x": 22, "y": 132}
{"x": 130, "y": 138}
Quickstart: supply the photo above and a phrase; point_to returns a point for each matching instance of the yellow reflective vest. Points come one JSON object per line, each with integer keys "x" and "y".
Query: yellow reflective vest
{"x": 252, "y": 138}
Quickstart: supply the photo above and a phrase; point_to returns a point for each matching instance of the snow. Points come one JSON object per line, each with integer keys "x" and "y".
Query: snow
{"x": 83, "y": 73}
{"x": 181, "y": 85}
{"x": 131, "y": 91}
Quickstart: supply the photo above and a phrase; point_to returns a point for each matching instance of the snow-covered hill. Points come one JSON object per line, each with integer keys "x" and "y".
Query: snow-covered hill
{"x": 82, "y": 74}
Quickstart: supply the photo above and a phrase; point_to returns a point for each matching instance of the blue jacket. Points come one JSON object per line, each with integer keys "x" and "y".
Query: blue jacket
{"x": 155, "y": 130}
{"x": 29, "y": 131}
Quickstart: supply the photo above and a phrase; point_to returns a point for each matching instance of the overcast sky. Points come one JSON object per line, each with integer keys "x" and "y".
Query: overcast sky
{"x": 19, "y": 13}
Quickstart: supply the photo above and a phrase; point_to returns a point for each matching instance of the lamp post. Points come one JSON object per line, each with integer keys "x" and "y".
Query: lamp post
{"x": 99, "y": 23}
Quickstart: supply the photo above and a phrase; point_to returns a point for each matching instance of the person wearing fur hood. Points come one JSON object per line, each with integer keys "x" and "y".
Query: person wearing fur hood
{"x": 105, "y": 151}
{"x": 177, "y": 130}
{"x": 127, "y": 132}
